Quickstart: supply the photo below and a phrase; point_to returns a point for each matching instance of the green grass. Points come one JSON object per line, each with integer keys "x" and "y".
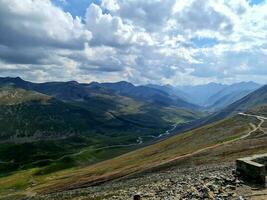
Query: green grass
{"x": 132, "y": 162}
{"x": 48, "y": 178}
{"x": 42, "y": 137}
{"x": 15, "y": 96}
{"x": 87, "y": 157}
{"x": 152, "y": 155}
{"x": 145, "y": 158}
{"x": 37, "y": 130}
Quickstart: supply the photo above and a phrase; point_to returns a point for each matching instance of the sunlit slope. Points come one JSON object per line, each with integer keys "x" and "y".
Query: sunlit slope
{"x": 223, "y": 141}
{"x": 152, "y": 156}
{"x": 14, "y": 96}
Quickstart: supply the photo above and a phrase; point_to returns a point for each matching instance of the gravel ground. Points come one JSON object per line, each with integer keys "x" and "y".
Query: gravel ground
{"x": 202, "y": 182}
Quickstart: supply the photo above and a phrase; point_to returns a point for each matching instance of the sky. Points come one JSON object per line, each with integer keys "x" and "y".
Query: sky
{"x": 174, "y": 42}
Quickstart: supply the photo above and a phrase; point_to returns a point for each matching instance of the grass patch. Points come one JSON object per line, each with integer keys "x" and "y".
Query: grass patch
{"x": 156, "y": 154}
{"x": 135, "y": 161}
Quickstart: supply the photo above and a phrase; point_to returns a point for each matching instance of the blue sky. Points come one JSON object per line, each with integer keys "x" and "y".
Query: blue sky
{"x": 75, "y": 7}
{"x": 78, "y": 7}
{"x": 204, "y": 42}
{"x": 255, "y": 2}
{"x": 155, "y": 41}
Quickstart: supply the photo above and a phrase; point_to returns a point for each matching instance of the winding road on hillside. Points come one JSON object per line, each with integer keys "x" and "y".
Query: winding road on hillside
{"x": 254, "y": 129}
{"x": 139, "y": 141}
{"x": 259, "y": 127}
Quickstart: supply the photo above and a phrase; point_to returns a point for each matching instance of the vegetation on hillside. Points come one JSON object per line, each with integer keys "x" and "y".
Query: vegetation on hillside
{"x": 38, "y": 130}
{"x": 148, "y": 157}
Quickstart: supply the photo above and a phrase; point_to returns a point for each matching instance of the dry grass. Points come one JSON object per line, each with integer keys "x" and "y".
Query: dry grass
{"x": 206, "y": 144}
{"x": 151, "y": 156}
{"x": 13, "y": 96}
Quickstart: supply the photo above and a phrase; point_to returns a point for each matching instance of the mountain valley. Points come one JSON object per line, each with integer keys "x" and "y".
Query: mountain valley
{"x": 64, "y": 136}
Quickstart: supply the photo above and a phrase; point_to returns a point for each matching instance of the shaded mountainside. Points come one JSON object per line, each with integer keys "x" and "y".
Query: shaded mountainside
{"x": 35, "y": 128}
{"x": 212, "y": 96}
{"x": 73, "y": 91}
{"x": 230, "y": 94}
{"x": 215, "y": 143}
{"x": 224, "y": 140}
{"x": 66, "y": 91}
{"x": 199, "y": 94}
{"x": 146, "y": 93}
{"x": 254, "y": 99}
{"x": 172, "y": 91}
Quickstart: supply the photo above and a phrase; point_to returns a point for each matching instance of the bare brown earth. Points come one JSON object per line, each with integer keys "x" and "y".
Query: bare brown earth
{"x": 179, "y": 180}
{"x": 210, "y": 149}
{"x": 236, "y": 140}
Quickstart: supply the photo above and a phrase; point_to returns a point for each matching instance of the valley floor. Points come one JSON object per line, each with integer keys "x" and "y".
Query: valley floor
{"x": 207, "y": 173}
{"x": 201, "y": 182}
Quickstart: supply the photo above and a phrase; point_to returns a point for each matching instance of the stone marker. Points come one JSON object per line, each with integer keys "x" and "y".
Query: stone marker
{"x": 253, "y": 168}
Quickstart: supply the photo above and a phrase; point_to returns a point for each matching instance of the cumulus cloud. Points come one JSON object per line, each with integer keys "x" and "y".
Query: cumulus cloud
{"x": 39, "y": 23}
{"x": 159, "y": 41}
{"x": 204, "y": 15}
{"x": 33, "y": 36}
{"x": 150, "y": 14}
{"x": 111, "y": 5}
{"x": 107, "y": 29}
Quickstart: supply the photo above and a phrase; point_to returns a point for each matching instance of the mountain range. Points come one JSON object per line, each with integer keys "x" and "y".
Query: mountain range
{"x": 44, "y": 121}
{"x": 212, "y": 96}
{"x": 224, "y": 140}
{"x": 66, "y": 135}
{"x": 230, "y": 94}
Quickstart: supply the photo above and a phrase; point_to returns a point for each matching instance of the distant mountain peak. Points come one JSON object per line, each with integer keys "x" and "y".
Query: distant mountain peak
{"x": 17, "y": 78}
{"x": 124, "y": 83}
{"x": 73, "y": 82}
{"x": 12, "y": 78}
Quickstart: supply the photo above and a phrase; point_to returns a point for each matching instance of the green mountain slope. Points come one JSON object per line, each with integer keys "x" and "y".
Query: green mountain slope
{"x": 38, "y": 130}
{"x": 155, "y": 155}
{"x": 227, "y": 139}
{"x": 12, "y": 96}
{"x": 74, "y": 91}
{"x": 224, "y": 140}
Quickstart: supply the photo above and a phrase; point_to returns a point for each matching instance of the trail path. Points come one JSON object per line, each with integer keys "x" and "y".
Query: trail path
{"x": 261, "y": 118}
{"x": 254, "y": 128}
{"x": 140, "y": 141}
{"x": 244, "y": 136}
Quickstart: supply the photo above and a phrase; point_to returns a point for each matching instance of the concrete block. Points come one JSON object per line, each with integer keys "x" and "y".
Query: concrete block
{"x": 253, "y": 168}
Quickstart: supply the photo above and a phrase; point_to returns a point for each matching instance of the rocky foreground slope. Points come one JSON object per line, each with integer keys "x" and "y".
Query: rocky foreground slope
{"x": 201, "y": 182}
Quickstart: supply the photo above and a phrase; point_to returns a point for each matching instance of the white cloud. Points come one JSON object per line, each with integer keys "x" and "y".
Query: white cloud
{"x": 156, "y": 41}
{"x": 150, "y": 15}
{"x": 107, "y": 29}
{"x": 39, "y": 23}
{"x": 111, "y": 5}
